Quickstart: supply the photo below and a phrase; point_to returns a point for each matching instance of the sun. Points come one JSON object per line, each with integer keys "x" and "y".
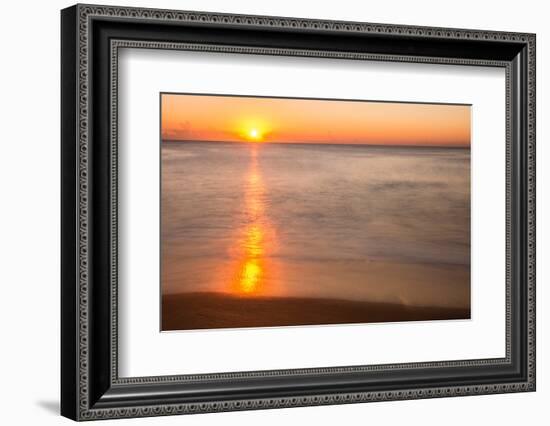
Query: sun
{"x": 254, "y": 134}
{"x": 252, "y": 130}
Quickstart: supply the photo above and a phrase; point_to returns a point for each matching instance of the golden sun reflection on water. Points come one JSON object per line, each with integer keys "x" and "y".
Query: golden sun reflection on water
{"x": 250, "y": 276}
{"x": 256, "y": 239}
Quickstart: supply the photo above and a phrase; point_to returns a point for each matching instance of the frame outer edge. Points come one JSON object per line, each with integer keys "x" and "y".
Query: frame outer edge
{"x": 83, "y": 12}
{"x": 531, "y": 207}
{"x": 69, "y": 287}
{"x": 84, "y": 193}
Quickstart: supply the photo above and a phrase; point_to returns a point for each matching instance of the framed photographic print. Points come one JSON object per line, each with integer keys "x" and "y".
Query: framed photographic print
{"x": 263, "y": 212}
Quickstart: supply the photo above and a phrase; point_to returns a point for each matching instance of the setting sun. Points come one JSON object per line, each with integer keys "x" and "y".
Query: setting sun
{"x": 254, "y": 135}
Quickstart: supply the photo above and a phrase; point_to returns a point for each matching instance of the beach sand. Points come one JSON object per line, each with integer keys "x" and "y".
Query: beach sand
{"x": 220, "y": 310}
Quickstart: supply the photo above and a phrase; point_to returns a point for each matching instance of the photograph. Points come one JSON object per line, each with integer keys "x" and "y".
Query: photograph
{"x": 301, "y": 211}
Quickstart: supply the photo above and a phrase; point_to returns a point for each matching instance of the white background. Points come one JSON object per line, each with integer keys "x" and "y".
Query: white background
{"x": 146, "y": 352}
{"x": 29, "y": 217}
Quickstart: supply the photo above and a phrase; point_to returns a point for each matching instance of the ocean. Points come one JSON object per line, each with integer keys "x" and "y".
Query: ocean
{"x": 351, "y": 222}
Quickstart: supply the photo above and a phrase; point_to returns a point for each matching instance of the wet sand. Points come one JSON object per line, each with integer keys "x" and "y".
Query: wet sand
{"x": 201, "y": 310}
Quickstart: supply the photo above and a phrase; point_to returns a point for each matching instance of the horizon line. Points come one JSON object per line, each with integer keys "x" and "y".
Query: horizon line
{"x": 396, "y": 145}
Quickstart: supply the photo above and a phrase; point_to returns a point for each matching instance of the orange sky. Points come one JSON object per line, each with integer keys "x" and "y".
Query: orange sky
{"x": 239, "y": 119}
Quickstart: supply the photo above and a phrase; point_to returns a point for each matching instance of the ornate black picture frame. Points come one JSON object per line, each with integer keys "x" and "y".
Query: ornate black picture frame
{"x": 91, "y": 37}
